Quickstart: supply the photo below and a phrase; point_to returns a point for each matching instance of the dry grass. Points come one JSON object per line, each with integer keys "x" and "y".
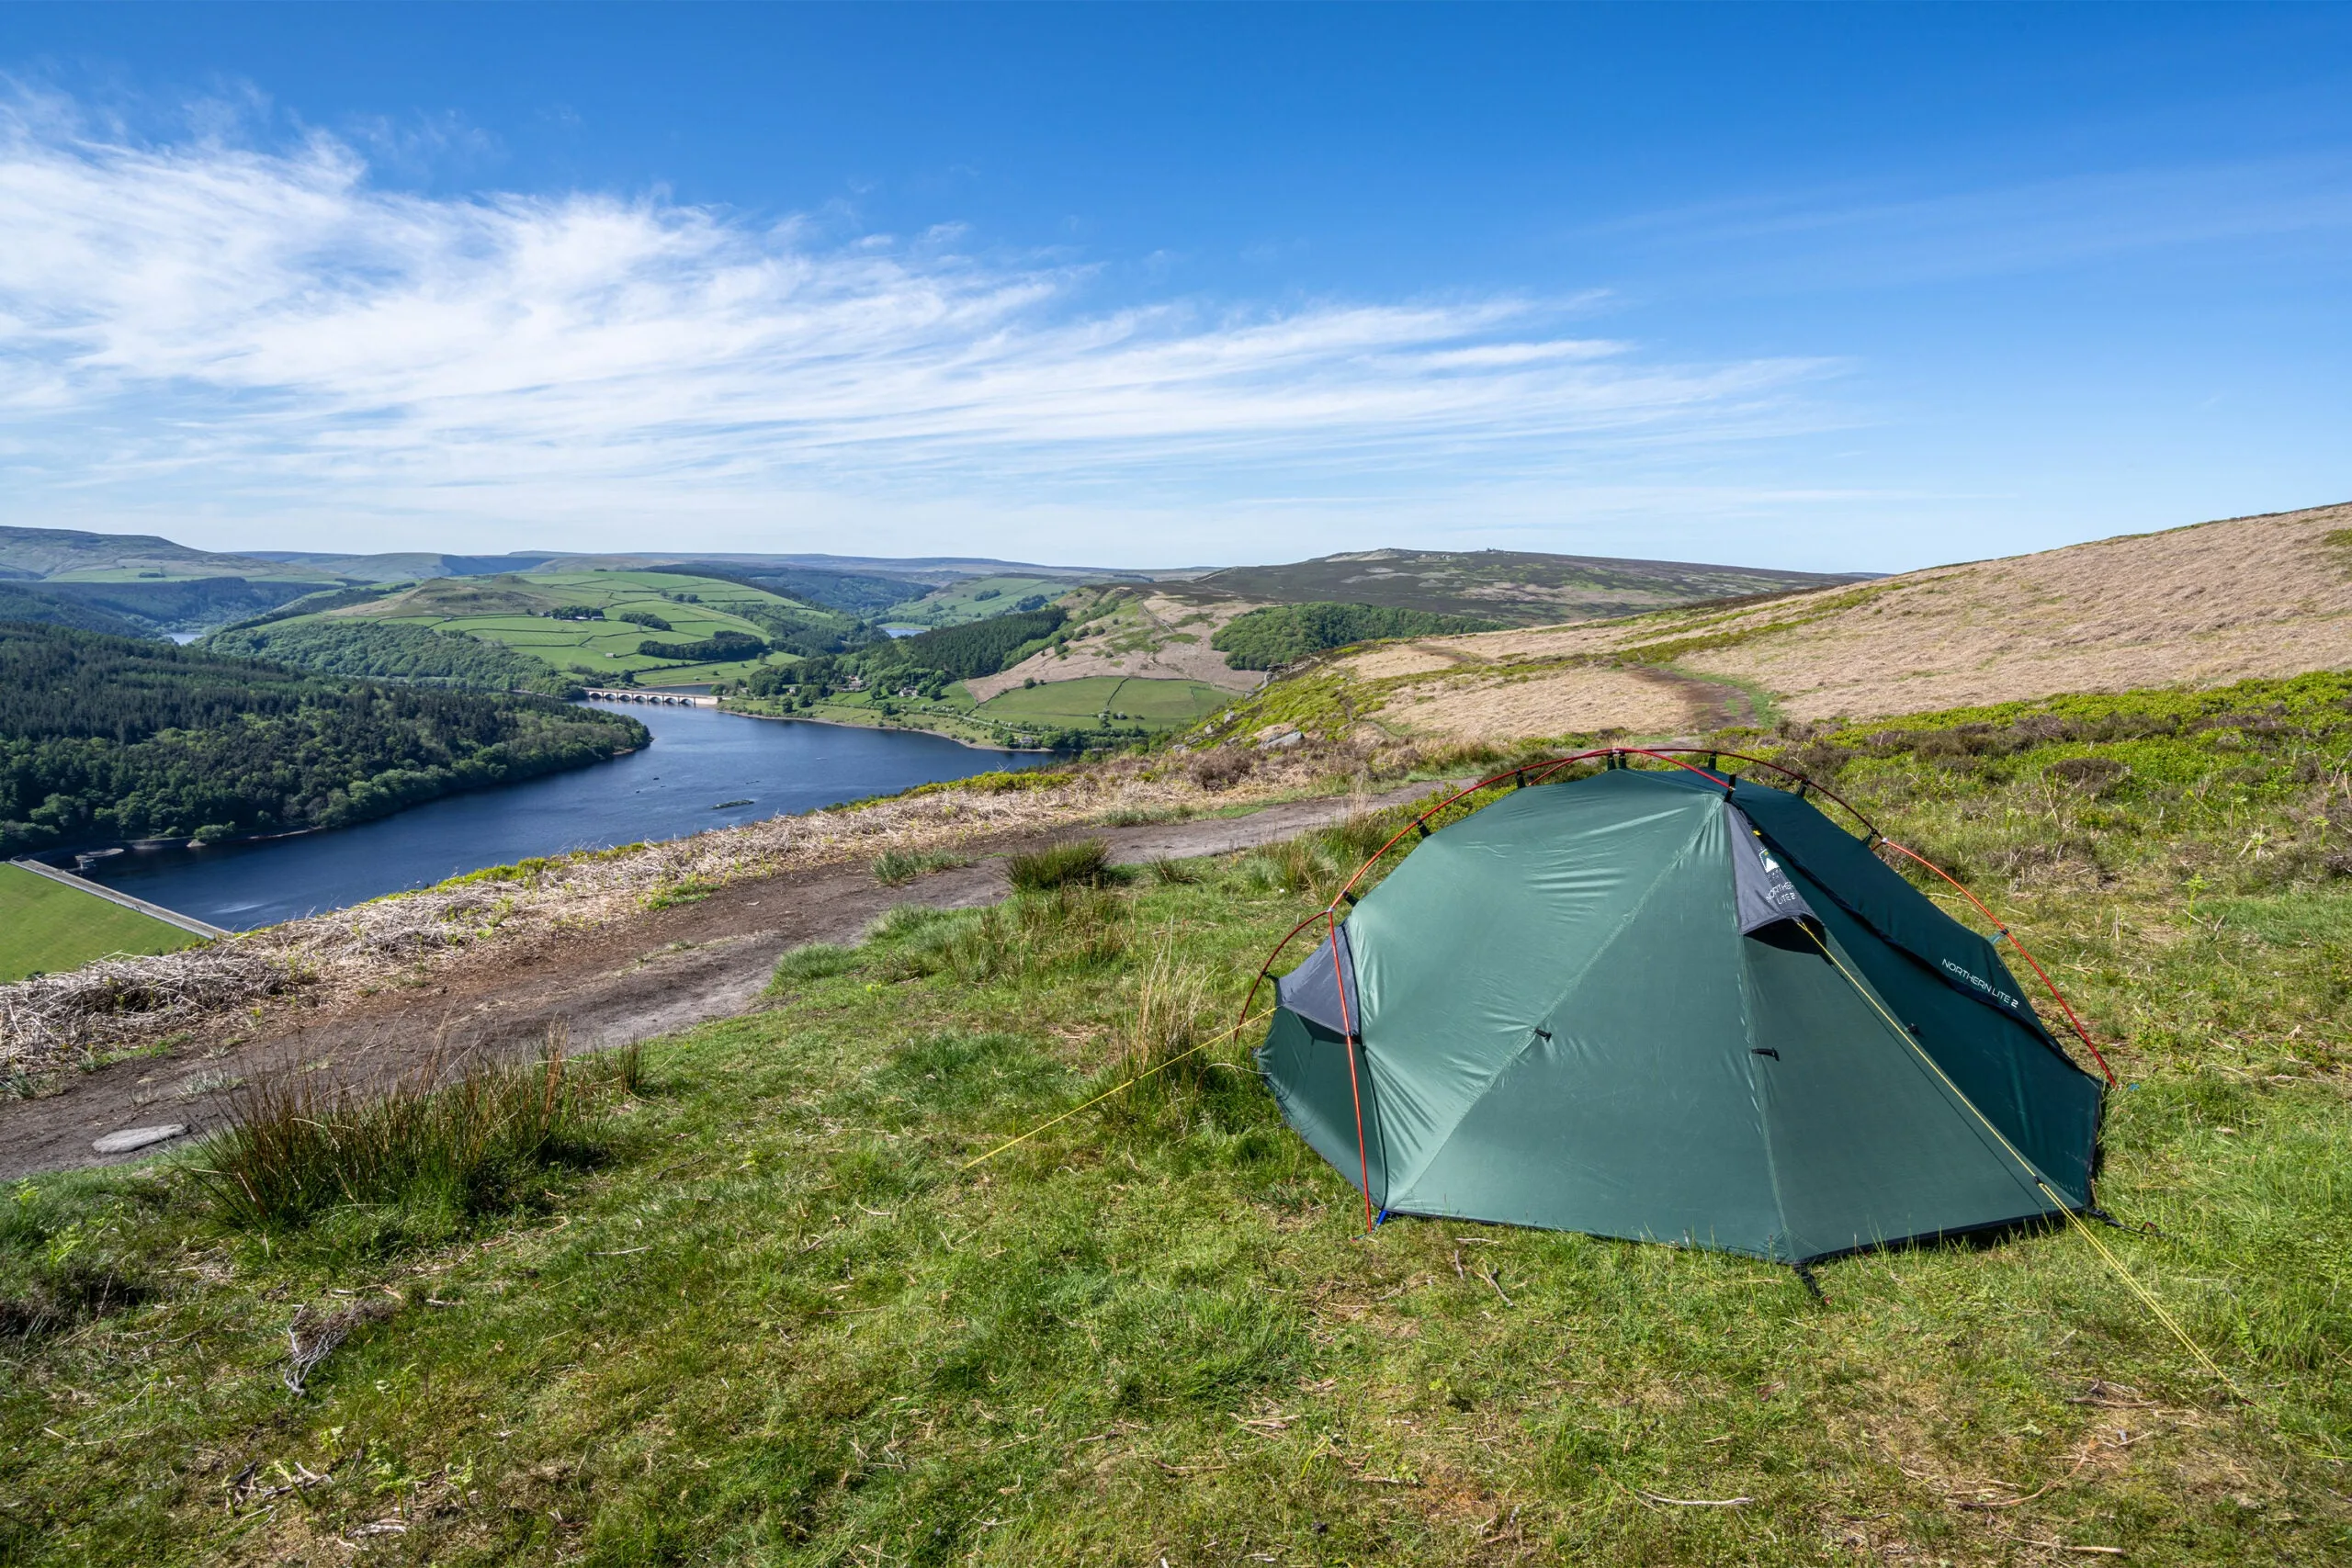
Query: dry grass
{"x": 2202, "y": 606}
{"x": 44, "y": 1023}
{"x": 1155, "y": 638}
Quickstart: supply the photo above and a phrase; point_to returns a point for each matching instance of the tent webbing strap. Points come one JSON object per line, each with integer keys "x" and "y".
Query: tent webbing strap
{"x": 2131, "y": 1281}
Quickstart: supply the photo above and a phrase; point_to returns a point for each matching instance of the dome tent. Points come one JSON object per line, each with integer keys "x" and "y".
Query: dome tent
{"x": 1680, "y": 1006}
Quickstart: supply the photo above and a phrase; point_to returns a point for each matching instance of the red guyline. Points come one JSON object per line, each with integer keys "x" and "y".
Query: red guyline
{"x": 1664, "y": 754}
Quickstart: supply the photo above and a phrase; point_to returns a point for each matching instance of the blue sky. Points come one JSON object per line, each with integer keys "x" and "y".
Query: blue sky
{"x": 1842, "y": 288}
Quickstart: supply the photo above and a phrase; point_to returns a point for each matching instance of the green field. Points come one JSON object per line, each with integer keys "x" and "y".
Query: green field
{"x": 1161, "y": 705}
{"x": 512, "y": 610}
{"x": 46, "y": 926}
{"x": 974, "y": 600}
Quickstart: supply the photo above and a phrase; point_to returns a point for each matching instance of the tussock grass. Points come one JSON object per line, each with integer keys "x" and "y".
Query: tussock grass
{"x": 471, "y": 1142}
{"x": 781, "y": 1324}
{"x": 895, "y": 868}
{"x": 1080, "y": 863}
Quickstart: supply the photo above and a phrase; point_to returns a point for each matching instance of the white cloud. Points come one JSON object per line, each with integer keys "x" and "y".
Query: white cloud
{"x": 212, "y": 328}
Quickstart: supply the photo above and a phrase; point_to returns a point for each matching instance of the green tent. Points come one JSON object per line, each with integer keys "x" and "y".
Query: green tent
{"x": 1670, "y": 1006}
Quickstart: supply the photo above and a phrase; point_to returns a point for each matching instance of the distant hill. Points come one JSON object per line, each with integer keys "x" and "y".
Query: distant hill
{"x": 22, "y": 601}
{"x": 408, "y": 566}
{"x": 2206, "y": 606}
{"x": 1520, "y": 587}
{"x": 43, "y": 554}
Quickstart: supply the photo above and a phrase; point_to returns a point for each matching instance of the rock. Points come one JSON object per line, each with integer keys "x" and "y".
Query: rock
{"x": 131, "y": 1138}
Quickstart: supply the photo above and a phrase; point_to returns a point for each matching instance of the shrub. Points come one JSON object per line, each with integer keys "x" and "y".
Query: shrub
{"x": 1080, "y": 863}
{"x": 1223, "y": 768}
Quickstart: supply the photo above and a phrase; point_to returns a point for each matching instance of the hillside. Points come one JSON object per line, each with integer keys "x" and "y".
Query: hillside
{"x": 1514, "y": 586}
{"x": 596, "y": 624}
{"x": 860, "y": 1265}
{"x": 408, "y": 566}
{"x": 2194, "y": 606}
{"x": 45, "y": 553}
{"x": 104, "y": 738}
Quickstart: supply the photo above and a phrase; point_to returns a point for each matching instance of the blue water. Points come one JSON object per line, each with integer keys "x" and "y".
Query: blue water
{"x": 700, "y": 759}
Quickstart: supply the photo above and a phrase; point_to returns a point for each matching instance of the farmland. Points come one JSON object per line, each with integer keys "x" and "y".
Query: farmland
{"x": 522, "y": 612}
{"x": 47, "y": 927}
{"x": 1157, "y": 703}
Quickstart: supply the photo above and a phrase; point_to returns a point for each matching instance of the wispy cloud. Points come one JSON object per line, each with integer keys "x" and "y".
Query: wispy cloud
{"x": 1839, "y": 238}
{"x": 230, "y": 324}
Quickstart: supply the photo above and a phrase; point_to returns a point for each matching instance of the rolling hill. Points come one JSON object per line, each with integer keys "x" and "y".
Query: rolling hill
{"x": 2197, "y": 606}
{"x": 1515, "y": 586}
{"x": 594, "y": 624}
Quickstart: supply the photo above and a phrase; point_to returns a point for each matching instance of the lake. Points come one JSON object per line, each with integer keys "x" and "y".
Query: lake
{"x": 705, "y": 769}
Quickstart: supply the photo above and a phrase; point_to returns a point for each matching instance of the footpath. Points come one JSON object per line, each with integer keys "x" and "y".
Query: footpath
{"x": 651, "y": 974}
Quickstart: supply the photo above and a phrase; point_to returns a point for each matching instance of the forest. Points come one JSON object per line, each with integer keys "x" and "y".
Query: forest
{"x": 966, "y": 652}
{"x": 392, "y": 650}
{"x": 107, "y": 738}
{"x": 1284, "y": 634}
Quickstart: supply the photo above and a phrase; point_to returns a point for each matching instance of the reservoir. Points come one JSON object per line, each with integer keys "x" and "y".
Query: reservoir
{"x": 705, "y": 769}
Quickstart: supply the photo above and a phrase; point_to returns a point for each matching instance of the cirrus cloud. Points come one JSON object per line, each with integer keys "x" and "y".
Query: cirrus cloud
{"x": 229, "y": 328}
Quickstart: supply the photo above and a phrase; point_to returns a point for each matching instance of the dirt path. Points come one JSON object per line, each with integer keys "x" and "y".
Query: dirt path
{"x": 652, "y": 973}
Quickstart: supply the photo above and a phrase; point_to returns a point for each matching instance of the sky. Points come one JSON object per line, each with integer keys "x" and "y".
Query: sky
{"x": 1818, "y": 288}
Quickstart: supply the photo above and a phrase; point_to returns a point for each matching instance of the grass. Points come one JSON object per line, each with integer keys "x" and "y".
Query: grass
{"x": 461, "y": 1144}
{"x": 607, "y": 648}
{"x": 973, "y": 598}
{"x": 47, "y": 927}
{"x": 895, "y": 868}
{"x": 1157, "y": 703}
{"x": 785, "y": 1320}
{"x": 1081, "y": 862}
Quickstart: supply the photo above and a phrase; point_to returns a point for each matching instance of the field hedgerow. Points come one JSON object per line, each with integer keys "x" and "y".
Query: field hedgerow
{"x": 786, "y": 1318}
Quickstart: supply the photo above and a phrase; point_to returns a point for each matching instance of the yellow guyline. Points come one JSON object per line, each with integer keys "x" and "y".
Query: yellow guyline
{"x": 1119, "y": 1089}
{"x": 2131, "y": 1281}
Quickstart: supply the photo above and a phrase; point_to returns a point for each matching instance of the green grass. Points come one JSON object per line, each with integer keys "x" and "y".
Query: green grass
{"x": 46, "y": 926}
{"x": 780, "y": 1319}
{"x": 974, "y": 600}
{"x": 1161, "y": 705}
{"x": 606, "y": 649}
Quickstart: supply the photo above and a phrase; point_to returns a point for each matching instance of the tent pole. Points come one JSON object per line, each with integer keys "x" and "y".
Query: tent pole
{"x": 1347, "y": 1040}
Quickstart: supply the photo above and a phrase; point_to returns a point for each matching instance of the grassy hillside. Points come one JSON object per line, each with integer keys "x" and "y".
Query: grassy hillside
{"x": 974, "y": 599}
{"x": 526, "y": 613}
{"x": 1156, "y": 704}
{"x": 48, "y": 928}
{"x": 72, "y": 554}
{"x": 408, "y": 566}
{"x": 2194, "y": 606}
{"x": 754, "y": 1305}
{"x": 1512, "y": 586}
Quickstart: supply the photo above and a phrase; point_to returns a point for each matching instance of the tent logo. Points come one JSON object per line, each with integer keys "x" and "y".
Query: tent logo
{"x": 1981, "y": 984}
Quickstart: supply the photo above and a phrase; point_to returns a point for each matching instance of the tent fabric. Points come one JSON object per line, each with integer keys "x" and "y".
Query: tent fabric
{"x": 1313, "y": 989}
{"x": 1761, "y": 888}
{"x": 1572, "y": 1012}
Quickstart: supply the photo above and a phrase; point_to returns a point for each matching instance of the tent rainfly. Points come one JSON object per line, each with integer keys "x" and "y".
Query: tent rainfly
{"x": 1677, "y": 1006}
